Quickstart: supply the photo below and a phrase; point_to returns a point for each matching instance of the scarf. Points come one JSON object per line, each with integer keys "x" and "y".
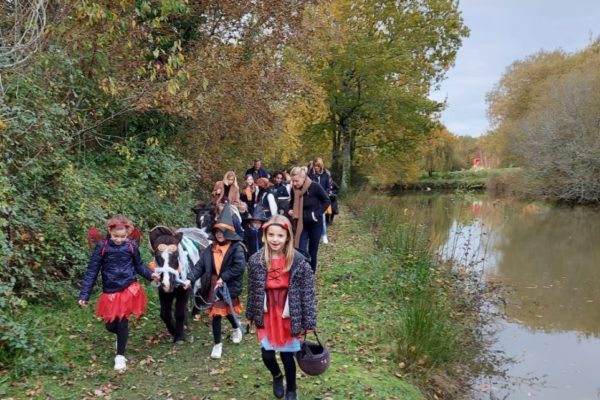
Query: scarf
{"x": 298, "y": 210}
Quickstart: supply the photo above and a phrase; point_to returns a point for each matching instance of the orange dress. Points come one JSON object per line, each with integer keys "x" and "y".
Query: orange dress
{"x": 277, "y": 330}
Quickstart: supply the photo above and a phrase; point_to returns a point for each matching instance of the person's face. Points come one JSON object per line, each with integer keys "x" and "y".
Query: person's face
{"x": 249, "y": 180}
{"x": 256, "y": 224}
{"x": 219, "y": 236}
{"x": 298, "y": 181}
{"x": 257, "y": 164}
{"x": 317, "y": 169}
{"x": 278, "y": 178}
{"x": 118, "y": 235}
{"x": 276, "y": 238}
{"x": 229, "y": 180}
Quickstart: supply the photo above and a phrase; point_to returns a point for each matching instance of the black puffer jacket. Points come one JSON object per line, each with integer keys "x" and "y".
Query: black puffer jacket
{"x": 232, "y": 270}
{"x": 119, "y": 266}
{"x": 301, "y": 293}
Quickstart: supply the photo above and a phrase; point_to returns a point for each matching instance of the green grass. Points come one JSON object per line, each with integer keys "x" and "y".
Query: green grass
{"x": 356, "y": 320}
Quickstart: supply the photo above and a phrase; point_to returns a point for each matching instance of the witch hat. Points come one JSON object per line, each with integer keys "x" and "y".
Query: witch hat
{"x": 225, "y": 224}
{"x": 258, "y": 214}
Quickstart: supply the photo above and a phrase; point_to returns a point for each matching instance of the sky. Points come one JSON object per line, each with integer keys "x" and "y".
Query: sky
{"x": 502, "y": 32}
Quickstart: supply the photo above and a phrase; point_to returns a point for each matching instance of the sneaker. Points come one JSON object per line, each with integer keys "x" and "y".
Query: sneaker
{"x": 120, "y": 363}
{"x": 216, "y": 351}
{"x": 324, "y": 239}
{"x": 236, "y": 336}
{"x": 278, "y": 390}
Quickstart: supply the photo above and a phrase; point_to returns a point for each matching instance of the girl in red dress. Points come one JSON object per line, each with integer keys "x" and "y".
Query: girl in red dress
{"x": 281, "y": 301}
{"x": 118, "y": 258}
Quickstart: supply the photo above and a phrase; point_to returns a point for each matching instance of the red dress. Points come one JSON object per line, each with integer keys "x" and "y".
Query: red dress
{"x": 277, "y": 330}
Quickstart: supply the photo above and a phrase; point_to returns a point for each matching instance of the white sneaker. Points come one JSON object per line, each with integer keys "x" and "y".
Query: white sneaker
{"x": 236, "y": 336}
{"x": 216, "y": 351}
{"x": 120, "y": 363}
{"x": 324, "y": 239}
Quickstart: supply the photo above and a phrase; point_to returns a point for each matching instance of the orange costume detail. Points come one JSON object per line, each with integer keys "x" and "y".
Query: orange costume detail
{"x": 219, "y": 307}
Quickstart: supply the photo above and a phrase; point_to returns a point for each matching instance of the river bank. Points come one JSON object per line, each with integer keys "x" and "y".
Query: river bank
{"x": 472, "y": 179}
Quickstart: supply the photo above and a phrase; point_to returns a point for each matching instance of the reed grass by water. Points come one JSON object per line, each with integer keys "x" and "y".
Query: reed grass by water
{"x": 434, "y": 321}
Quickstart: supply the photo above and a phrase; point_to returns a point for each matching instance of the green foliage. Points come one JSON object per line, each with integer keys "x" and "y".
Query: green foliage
{"x": 376, "y": 63}
{"x": 22, "y": 349}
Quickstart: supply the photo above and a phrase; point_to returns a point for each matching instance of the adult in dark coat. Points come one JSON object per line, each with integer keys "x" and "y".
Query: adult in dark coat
{"x": 257, "y": 171}
{"x": 309, "y": 202}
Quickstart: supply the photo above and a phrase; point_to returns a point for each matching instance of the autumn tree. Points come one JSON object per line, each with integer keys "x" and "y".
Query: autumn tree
{"x": 377, "y": 61}
{"x": 438, "y": 151}
{"x": 546, "y": 107}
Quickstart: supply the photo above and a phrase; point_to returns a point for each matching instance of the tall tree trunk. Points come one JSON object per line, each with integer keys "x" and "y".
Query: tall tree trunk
{"x": 346, "y": 156}
{"x": 335, "y": 153}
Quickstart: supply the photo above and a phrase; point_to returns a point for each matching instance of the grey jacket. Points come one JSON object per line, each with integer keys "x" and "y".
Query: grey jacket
{"x": 301, "y": 293}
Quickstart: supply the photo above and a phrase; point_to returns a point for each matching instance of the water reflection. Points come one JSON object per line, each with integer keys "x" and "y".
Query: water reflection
{"x": 548, "y": 258}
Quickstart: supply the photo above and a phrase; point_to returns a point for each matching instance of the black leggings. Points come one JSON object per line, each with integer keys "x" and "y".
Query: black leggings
{"x": 216, "y": 326}
{"x": 289, "y": 366}
{"x": 119, "y": 327}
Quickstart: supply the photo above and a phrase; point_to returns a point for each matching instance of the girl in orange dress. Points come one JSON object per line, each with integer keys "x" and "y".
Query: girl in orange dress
{"x": 281, "y": 302}
{"x": 225, "y": 262}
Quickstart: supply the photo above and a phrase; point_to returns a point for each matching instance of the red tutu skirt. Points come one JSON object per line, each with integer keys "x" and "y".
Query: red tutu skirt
{"x": 131, "y": 300}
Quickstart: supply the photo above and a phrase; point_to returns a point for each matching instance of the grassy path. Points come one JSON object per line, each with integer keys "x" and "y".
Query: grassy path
{"x": 353, "y": 321}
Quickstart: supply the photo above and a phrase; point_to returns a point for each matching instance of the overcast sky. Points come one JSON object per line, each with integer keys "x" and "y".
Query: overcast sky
{"x": 503, "y": 31}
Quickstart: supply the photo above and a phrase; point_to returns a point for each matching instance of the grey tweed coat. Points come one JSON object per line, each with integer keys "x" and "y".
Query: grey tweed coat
{"x": 301, "y": 293}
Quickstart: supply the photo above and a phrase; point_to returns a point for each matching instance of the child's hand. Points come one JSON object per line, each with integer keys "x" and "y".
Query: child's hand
{"x": 220, "y": 282}
{"x": 155, "y": 277}
{"x": 187, "y": 284}
{"x": 82, "y": 303}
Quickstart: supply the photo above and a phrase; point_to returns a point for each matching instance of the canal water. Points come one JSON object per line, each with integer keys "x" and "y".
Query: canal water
{"x": 547, "y": 259}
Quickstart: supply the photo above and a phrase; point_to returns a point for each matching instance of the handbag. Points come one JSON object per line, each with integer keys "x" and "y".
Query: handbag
{"x": 313, "y": 357}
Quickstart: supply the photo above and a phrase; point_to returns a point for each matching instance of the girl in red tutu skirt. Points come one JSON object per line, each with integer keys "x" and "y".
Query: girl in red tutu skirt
{"x": 281, "y": 301}
{"x": 118, "y": 258}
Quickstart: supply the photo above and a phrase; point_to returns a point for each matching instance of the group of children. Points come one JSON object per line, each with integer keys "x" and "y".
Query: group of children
{"x": 281, "y": 294}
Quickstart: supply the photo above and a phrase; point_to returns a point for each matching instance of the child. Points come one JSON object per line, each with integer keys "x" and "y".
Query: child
{"x": 253, "y": 234}
{"x": 225, "y": 262}
{"x": 281, "y": 301}
{"x": 119, "y": 259}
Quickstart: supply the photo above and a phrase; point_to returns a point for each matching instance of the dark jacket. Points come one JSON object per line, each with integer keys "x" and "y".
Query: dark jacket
{"x": 323, "y": 179}
{"x": 119, "y": 266}
{"x": 253, "y": 239}
{"x": 301, "y": 293}
{"x": 316, "y": 202}
{"x": 257, "y": 173}
{"x": 232, "y": 270}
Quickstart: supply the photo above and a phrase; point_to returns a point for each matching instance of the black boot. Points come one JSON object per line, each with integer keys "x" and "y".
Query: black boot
{"x": 278, "y": 386}
{"x": 291, "y": 396}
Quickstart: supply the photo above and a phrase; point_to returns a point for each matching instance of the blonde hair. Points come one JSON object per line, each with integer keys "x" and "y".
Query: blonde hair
{"x": 228, "y": 174}
{"x": 298, "y": 171}
{"x": 119, "y": 221}
{"x": 288, "y": 250}
{"x": 318, "y": 162}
